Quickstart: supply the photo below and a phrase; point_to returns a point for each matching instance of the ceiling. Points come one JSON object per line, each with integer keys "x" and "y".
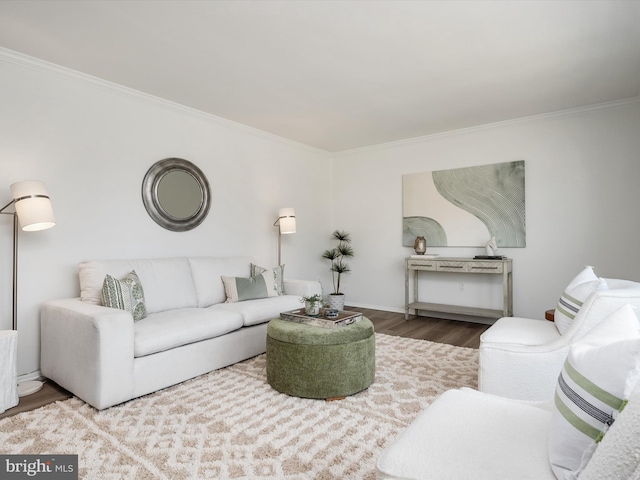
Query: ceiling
{"x": 339, "y": 75}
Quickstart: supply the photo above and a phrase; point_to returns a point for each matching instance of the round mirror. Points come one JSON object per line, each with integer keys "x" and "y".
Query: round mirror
{"x": 176, "y": 194}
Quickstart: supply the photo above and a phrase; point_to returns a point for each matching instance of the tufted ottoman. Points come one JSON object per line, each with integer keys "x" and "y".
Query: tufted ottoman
{"x": 315, "y": 362}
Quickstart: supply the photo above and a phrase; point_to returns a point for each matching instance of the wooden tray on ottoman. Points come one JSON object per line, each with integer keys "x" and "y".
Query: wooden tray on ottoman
{"x": 344, "y": 318}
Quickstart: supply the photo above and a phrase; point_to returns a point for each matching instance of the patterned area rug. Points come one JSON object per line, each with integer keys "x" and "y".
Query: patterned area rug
{"x": 230, "y": 424}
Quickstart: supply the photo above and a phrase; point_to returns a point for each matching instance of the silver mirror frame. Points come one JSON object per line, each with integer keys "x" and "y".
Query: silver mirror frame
{"x": 152, "y": 203}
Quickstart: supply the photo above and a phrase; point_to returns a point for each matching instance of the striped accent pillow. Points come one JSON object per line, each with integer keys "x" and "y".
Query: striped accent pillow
{"x": 571, "y": 300}
{"x": 276, "y": 272}
{"x": 598, "y": 376}
{"x": 126, "y": 294}
{"x": 239, "y": 289}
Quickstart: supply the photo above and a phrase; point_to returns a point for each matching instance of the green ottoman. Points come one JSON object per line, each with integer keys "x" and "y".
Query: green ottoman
{"x": 315, "y": 362}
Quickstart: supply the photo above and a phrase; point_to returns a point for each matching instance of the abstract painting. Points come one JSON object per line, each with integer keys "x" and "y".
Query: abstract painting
{"x": 465, "y": 207}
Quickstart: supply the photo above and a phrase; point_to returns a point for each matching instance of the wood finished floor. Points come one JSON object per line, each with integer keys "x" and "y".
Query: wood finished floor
{"x": 453, "y": 332}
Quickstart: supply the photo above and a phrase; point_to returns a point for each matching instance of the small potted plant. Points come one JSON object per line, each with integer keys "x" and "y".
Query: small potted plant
{"x": 312, "y": 304}
{"x": 338, "y": 266}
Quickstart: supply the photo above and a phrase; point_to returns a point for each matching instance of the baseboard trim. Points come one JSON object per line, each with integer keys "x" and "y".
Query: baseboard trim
{"x": 37, "y": 375}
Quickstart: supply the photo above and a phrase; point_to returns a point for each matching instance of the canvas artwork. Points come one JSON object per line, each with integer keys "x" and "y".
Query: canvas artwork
{"x": 465, "y": 207}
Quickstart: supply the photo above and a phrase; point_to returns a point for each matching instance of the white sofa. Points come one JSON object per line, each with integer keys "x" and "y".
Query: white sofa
{"x": 105, "y": 358}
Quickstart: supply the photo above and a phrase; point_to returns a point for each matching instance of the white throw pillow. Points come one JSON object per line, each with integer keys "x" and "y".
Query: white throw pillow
{"x": 578, "y": 290}
{"x": 594, "y": 386}
{"x": 276, "y": 272}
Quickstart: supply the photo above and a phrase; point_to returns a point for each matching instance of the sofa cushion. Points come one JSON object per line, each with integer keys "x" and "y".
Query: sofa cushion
{"x": 519, "y": 331}
{"x": 571, "y": 300}
{"x": 596, "y": 381}
{"x": 260, "y": 310}
{"x": 164, "y": 330}
{"x": 125, "y": 294}
{"x": 168, "y": 283}
{"x": 207, "y": 275}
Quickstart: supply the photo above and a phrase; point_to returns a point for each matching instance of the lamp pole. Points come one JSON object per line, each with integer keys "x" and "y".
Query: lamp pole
{"x": 32, "y": 207}
{"x": 14, "y": 324}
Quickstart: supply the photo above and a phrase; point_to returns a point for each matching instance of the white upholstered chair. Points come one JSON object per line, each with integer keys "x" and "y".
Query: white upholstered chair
{"x": 470, "y": 435}
{"x": 521, "y": 358}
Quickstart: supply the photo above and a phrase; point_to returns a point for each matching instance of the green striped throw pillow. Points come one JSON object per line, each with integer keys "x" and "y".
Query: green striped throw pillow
{"x": 571, "y": 300}
{"x": 598, "y": 376}
{"x": 239, "y": 289}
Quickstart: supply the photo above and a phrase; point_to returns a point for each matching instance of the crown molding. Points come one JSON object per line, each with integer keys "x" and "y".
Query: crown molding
{"x": 488, "y": 126}
{"x": 23, "y": 60}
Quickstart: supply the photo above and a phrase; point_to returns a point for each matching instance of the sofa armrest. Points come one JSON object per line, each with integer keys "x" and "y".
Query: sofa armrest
{"x": 302, "y": 288}
{"x": 88, "y": 349}
{"x": 521, "y": 358}
{"x": 523, "y": 335}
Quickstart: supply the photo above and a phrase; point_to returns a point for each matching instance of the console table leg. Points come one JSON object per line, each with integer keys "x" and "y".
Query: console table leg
{"x": 406, "y": 294}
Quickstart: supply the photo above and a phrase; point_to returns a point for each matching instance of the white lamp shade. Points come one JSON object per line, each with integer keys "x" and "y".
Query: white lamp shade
{"x": 33, "y": 206}
{"x": 287, "y": 220}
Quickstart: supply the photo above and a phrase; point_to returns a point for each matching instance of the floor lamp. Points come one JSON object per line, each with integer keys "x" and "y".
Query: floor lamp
{"x": 32, "y": 208}
{"x": 286, "y": 224}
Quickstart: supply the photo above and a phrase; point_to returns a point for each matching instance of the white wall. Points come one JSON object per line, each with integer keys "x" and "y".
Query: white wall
{"x": 582, "y": 194}
{"x": 92, "y": 143}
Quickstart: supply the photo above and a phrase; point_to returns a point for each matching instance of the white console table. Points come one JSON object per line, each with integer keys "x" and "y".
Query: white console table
{"x": 440, "y": 265}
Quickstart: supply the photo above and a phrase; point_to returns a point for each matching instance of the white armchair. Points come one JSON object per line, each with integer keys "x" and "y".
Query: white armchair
{"x": 470, "y": 435}
{"x": 521, "y": 358}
